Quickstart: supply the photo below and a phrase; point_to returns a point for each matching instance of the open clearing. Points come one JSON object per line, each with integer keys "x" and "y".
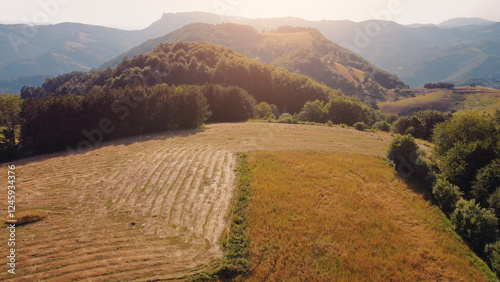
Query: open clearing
{"x": 146, "y": 207}
{"x": 347, "y": 217}
{"x": 480, "y": 99}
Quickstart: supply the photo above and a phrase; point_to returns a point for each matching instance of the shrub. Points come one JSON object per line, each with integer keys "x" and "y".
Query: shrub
{"x": 429, "y": 119}
{"x": 493, "y": 252}
{"x": 447, "y": 195}
{"x": 361, "y": 126}
{"x": 487, "y": 180}
{"x": 496, "y": 117}
{"x": 420, "y": 124}
{"x": 313, "y": 112}
{"x": 382, "y": 126}
{"x": 494, "y": 202}
{"x": 460, "y": 164}
{"x": 347, "y": 110}
{"x": 391, "y": 118}
{"x": 286, "y": 118}
{"x": 408, "y": 125}
{"x": 402, "y": 149}
{"x": 408, "y": 160}
{"x": 474, "y": 224}
{"x": 464, "y": 127}
{"x": 264, "y": 111}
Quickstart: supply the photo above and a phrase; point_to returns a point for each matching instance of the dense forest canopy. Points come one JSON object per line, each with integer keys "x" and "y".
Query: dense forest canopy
{"x": 192, "y": 63}
{"x": 297, "y": 49}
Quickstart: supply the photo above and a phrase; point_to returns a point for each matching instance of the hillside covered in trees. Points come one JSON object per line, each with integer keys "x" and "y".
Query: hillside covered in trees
{"x": 297, "y": 49}
{"x": 179, "y": 85}
{"x": 192, "y": 63}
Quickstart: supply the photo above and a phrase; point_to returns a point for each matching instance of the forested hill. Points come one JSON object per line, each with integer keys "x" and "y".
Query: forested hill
{"x": 192, "y": 63}
{"x": 301, "y": 50}
{"x": 175, "y": 86}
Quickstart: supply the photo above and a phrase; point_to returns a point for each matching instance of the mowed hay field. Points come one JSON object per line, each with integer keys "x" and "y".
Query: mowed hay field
{"x": 147, "y": 207}
{"x": 347, "y": 217}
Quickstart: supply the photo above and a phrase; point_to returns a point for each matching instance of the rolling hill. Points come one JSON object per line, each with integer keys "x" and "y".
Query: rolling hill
{"x": 60, "y": 48}
{"x": 477, "y": 98}
{"x": 48, "y": 50}
{"x": 459, "y": 22}
{"x": 192, "y": 63}
{"x": 156, "y": 206}
{"x": 302, "y": 50}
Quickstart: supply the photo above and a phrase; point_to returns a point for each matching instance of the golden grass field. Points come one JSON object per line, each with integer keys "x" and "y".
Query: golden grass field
{"x": 146, "y": 207}
{"x": 480, "y": 99}
{"x": 155, "y": 207}
{"x": 347, "y": 217}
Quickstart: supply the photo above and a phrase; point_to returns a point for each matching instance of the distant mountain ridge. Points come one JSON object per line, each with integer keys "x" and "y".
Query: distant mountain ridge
{"x": 417, "y": 54}
{"x": 459, "y": 22}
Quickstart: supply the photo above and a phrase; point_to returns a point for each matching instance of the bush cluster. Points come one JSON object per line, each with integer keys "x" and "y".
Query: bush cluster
{"x": 468, "y": 167}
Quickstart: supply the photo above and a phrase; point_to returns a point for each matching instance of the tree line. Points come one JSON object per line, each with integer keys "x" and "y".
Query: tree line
{"x": 181, "y": 85}
{"x": 463, "y": 176}
{"x": 55, "y": 122}
{"x": 435, "y": 85}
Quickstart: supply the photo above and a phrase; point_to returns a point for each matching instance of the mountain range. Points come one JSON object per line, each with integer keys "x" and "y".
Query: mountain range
{"x": 461, "y": 51}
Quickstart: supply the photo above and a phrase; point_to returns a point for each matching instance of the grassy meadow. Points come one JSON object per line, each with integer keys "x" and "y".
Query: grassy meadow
{"x": 146, "y": 207}
{"x": 156, "y": 206}
{"x": 347, "y": 217}
{"x": 481, "y": 99}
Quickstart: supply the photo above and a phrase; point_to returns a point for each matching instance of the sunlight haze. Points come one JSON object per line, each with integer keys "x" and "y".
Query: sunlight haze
{"x": 128, "y": 14}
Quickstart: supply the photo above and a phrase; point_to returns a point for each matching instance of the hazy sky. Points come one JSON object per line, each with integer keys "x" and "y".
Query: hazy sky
{"x": 139, "y": 14}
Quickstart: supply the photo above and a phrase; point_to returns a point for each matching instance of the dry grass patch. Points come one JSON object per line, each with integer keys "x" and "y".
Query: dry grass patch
{"x": 337, "y": 216}
{"x": 435, "y": 100}
{"x": 481, "y": 99}
{"x": 147, "y": 207}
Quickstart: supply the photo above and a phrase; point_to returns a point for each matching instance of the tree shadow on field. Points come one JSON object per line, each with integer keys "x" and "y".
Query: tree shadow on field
{"x": 122, "y": 141}
{"x": 130, "y": 140}
{"x": 417, "y": 187}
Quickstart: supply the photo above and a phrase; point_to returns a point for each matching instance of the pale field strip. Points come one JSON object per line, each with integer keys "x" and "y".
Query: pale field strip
{"x": 148, "y": 207}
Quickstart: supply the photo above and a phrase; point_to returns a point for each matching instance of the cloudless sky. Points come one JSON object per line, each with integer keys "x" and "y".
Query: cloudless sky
{"x": 131, "y": 14}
